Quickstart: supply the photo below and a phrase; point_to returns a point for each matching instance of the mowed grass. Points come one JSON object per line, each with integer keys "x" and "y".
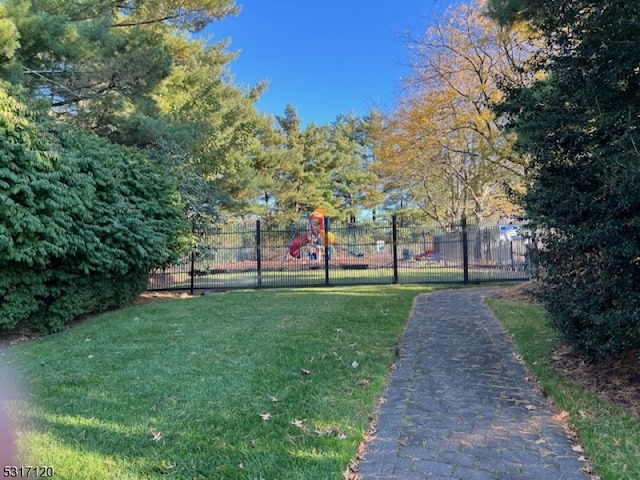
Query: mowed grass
{"x": 610, "y": 435}
{"x": 276, "y": 384}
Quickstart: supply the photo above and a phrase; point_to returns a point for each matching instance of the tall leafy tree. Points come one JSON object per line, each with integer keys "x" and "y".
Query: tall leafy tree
{"x": 8, "y": 35}
{"x": 444, "y": 153}
{"x": 84, "y": 52}
{"x": 213, "y": 128}
{"x": 579, "y": 124}
{"x": 303, "y": 168}
{"x": 354, "y": 182}
{"x": 99, "y": 62}
{"x": 132, "y": 72}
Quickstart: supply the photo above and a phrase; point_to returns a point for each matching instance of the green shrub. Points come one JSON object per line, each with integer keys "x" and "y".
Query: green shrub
{"x": 83, "y": 220}
{"x": 592, "y": 266}
{"x": 577, "y": 120}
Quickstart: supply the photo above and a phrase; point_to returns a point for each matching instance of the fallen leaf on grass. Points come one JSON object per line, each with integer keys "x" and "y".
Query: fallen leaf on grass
{"x": 156, "y": 436}
{"x": 363, "y": 382}
{"x": 354, "y": 364}
{"x": 304, "y": 371}
{"x": 298, "y": 423}
{"x": 265, "y": 416}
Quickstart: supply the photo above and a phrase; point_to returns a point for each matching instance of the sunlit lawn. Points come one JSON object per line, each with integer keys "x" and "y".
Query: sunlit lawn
{"x": 262, "y": 384}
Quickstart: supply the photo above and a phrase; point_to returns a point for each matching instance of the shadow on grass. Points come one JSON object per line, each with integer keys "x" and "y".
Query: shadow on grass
{"x": 177, "y": 388}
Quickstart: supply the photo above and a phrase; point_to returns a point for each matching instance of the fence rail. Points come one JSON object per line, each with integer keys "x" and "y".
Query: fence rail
{"x": 239, "y": 257}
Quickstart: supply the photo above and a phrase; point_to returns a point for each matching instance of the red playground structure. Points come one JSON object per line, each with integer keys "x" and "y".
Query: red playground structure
{"x": 313, "y": 236}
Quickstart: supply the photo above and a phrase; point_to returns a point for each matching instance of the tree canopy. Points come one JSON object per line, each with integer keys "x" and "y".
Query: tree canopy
{"x": 135, "y": 74}
{"x": 443, "y": 152}
{"x": 303, "y": 168}
{"x": 105, "y": 105}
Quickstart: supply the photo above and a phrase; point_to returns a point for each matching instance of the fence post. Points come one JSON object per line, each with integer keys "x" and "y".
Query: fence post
{"x": 465, "y": 249}
{"x": 394, "y": 248}
{"x": 259, "y": 253}
{"x": 193, "y": 261}
{"x": 327, "y": 249}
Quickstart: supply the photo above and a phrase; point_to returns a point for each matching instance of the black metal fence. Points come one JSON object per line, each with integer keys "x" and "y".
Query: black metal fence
{"x": 303, "y": 255}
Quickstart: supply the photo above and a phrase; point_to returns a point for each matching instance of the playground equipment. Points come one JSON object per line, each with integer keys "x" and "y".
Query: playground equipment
{"x": 428, "y": 247}
{"x": 313, "y": 236}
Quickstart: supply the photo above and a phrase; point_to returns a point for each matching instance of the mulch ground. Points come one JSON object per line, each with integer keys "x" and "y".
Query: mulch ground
{"x": 616, "y": 379}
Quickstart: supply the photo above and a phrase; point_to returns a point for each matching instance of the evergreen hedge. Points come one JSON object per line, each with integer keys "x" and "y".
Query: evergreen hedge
{"x": 82, "y": 221}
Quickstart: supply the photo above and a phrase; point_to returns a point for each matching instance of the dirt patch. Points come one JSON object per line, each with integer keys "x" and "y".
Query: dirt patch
{"x": 615, "y": 379}
{"x": 151, "y": 297}
{"x": 523, "y": 292}
{"x": 18, "y": 335}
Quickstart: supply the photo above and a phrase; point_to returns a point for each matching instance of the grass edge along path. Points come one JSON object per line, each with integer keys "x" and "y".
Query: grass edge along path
{"x": 609, "y": 435}
{"x": 240, "y": 385}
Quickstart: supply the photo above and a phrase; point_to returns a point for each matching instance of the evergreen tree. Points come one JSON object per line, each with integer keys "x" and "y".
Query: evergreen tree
{"x": 132, "y": 72}
{"x": 303, "y": 168}
{"x": 354, "y": 182}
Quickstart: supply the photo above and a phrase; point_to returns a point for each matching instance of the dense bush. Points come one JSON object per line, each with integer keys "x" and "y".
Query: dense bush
{"x": 579, "y": 123}
{"x": 591, "y": 261}
{"x": 82, "y": 220}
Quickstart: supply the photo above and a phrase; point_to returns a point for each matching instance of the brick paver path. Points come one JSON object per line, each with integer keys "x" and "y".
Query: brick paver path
{"x": 459, "y": 406}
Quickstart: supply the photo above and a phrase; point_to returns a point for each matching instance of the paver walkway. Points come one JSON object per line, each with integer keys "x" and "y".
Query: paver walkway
{"x": 459, "y": 406}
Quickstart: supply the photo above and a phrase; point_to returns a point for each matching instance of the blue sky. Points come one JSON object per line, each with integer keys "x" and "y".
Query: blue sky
{"x": 324, "y": 57}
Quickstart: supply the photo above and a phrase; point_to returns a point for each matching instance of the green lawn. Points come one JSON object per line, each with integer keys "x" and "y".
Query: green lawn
{"x": 211, "y": 387}
{"x": 610, "y": 435}
{"x": 217, "y": 386}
